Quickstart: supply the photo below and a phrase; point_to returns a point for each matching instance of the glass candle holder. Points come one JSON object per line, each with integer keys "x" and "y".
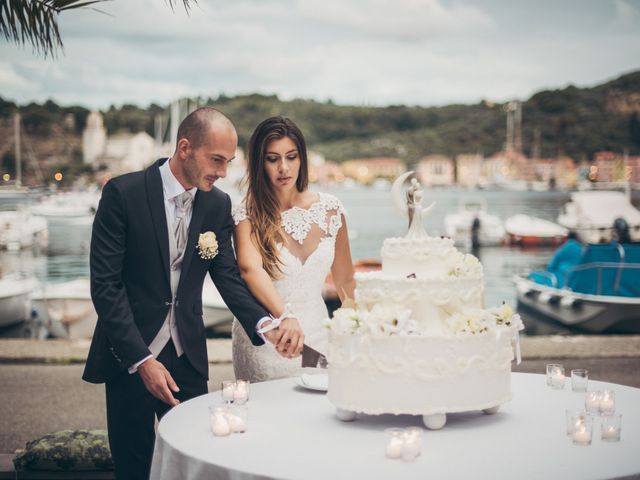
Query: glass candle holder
{"x": 570, "y": 418}
{"x": 592, "y": 402}
{"x": 555, "y": 376}
{"x": 227, "y": 390}
{"x": 219, "y": 422}
{"x": 237, "y": 417}
{"x": 607, "y": 402}
{"x": 579, "y": 379}
{"x": 412, "y": 446}
{"x": 394, "y": 442}
{"x": 241, "y": 393}
{"x": 582, "y": 429}
{"x": 611, "y": 427}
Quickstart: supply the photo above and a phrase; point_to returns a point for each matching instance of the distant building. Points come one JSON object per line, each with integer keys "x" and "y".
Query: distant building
{"x": 506, "y": 167}
{"x": 121, "y": 153}
{"x": 366, "y": 170}
{"x": 633, "y": 170}
{"x": 469, "y": 170}
{"x": 94, "y": 139}
{"x": 436, "y": 170}
{"x": 607, "y": 167}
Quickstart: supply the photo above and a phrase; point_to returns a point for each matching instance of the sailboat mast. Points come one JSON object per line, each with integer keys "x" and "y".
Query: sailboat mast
{"x": 18, "y": 151}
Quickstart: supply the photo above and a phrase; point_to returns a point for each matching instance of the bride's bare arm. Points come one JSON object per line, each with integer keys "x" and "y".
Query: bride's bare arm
{"x": 342, "y": 268}
{"x": 288, "y": 338}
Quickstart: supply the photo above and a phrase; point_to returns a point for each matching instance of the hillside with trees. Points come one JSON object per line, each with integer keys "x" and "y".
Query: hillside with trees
{"x": 570, "y": 121}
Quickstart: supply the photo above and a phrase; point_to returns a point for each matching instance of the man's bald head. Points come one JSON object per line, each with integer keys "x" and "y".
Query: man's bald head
{"x": 199, "y": 123}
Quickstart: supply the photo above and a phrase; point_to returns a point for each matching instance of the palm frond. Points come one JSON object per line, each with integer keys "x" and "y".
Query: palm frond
{"x": 186, "y": 3}
{"x": 36, "y": 21}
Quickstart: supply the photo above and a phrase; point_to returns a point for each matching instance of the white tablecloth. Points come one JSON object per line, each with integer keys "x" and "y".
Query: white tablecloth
{"x": 294, "y": 433}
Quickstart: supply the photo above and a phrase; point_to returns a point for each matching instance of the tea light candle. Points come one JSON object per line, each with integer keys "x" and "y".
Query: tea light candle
{"x": 394, "y": 447}
{"x": 592, "y": 402}
{"x": 241, "y": 393}
{"x": 228, "y": 392}
{"x": 557, "y": 379}
{"x": 410, "y": 447}
{"x": 236, "y": 423}
{"x": 611, "y": 433}
{"x": 607, "y": 402}
{"x": 581, "y": 436}
{"x": 219, "y": 425}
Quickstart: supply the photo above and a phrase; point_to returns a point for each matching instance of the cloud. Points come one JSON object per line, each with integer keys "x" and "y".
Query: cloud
{"x": 428, "y": 52}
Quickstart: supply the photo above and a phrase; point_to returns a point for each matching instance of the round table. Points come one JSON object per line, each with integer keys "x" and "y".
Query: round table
{"x": 294, "y": 433}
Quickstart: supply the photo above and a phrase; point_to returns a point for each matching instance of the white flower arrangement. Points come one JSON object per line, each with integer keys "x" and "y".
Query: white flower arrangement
{"x": 380, "y": 321}
{"x": 475, "y": 321}
{"x": 467, "y": 265}
{"x": 207, "y": 245}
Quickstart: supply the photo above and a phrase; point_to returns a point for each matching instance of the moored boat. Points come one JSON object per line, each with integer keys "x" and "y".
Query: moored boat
{"x": 526, "y": 230}
{"x": 472, "y": 224}
{"x": 588, "y": 288}
{"x": 593, "y": 215}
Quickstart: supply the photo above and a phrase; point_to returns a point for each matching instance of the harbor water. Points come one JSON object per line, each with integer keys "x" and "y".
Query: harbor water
{"x": 371, "y": 217}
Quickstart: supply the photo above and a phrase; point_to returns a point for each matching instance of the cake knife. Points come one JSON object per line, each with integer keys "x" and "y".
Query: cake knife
{"x": 312, "y": 358}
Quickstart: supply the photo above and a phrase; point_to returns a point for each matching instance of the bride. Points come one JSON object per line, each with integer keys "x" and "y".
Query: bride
{"x": 287, "y": 238}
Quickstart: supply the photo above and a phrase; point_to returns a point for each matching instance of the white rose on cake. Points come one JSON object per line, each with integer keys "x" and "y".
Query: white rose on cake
{"x": 385, "y": 320}
{"x": 466, "y": 265}
{"x": 469, "y": 321}
{"x": 345, "y": 320}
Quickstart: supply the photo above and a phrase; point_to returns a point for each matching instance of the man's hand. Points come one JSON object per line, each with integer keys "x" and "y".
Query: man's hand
{"x": 288, "y": 338}
{"x": 158, "y": 381}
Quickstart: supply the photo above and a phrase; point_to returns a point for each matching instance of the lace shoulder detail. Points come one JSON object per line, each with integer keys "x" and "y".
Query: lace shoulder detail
{"x": 239, "y": 213}
{"x": 332, "y": 202}
{"x": 336, "y": 210}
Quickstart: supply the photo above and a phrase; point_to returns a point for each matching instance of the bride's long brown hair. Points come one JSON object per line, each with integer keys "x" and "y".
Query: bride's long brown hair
{"x": 262, "y": 205}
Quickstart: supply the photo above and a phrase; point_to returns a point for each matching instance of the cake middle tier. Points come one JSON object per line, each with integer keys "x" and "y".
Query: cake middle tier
{"x": 431, "y": 301}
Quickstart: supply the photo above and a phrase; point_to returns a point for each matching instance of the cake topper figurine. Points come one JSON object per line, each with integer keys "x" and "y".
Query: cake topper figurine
{"x": 410, "y": 204}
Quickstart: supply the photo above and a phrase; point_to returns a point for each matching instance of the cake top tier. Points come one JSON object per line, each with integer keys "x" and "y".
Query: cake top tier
{"x": 426, "y": 257}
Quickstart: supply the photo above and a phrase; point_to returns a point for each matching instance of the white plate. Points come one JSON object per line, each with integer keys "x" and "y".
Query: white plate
{"x": 319, "y": 382}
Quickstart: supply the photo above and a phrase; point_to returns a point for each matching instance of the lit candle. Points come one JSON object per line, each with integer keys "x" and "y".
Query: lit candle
{"x": 241, "y": 393}
{"x": 228, "y": 392}
{"x": 220, "y": 425}
{"x": 592, "y": 402}
{"x": 236, "y": 423}
{"x": 610, "y": 433}
{"x": 557, "y": 379}
{"x": 394, "y": 447}
{"x": 607, "y": 402}
{"x": 410, "y": 448}
{"x": 581, "y": 436}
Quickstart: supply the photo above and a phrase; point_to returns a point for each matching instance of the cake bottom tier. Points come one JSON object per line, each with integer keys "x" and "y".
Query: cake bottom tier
{"x": 419, "y": 375}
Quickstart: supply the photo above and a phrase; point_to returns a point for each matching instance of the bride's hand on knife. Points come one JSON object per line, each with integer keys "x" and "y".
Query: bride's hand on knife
{"x": 288, "y": 338}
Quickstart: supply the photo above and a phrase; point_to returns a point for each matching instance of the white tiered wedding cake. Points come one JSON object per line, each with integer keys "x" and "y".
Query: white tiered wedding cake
{"x": 417, "y": 340}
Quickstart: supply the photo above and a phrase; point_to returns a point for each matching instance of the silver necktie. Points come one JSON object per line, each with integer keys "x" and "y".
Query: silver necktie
{"x": 180, "y": 226}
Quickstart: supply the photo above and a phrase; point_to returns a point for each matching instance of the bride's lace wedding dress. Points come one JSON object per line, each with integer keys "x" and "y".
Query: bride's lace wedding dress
{"x": 306, "y": 256}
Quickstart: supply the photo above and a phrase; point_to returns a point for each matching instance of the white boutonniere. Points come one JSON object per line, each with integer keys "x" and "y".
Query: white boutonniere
{"x": 207, "y": 245}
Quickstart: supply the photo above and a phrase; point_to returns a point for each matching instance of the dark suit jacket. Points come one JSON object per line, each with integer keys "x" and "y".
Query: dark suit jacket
{"x": 129, "y": 265}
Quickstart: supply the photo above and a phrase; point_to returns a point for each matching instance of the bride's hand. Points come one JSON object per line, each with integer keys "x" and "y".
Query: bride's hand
{"x": 288, "y": 338}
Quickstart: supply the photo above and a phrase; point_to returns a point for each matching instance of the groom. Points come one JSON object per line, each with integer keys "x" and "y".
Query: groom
{"x": 155, "y": 236}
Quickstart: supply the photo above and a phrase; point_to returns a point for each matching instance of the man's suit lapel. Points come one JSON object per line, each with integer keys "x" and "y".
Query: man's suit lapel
{"x": 197, "y": 217}
{"x": 155, "y": 197}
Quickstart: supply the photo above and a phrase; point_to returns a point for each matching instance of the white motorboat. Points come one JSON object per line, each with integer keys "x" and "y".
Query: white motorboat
{"x": 20, "y": 229}
{"x": 67, "y": 311}
{"x": 65, "y": 308}
{"x": 472, "y": 215}
{"x": 215, "y": 312}
{"x": 591, "y": 215}
{"x": 75, "y": 208}
{"x": 526, "y": 230}
{"x": 15, "y": 303}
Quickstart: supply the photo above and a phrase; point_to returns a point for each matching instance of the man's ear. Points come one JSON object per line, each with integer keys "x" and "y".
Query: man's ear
{"x": 183, "y": 147}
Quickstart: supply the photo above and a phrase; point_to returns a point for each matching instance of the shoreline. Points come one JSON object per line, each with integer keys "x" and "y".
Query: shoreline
{"x": 30, "y": 351}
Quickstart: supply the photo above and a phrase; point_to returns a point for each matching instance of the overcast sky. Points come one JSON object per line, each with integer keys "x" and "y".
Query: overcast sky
{"x": 378, "y": 52}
